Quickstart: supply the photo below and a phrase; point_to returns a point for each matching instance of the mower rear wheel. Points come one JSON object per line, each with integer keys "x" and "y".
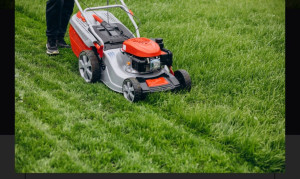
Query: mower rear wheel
{"x": 89, "y": 67}
{"x": 184, "y": 79}
{"x": 132, "y": 90}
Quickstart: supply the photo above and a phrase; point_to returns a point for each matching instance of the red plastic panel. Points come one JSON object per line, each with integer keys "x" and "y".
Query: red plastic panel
{"x": 157, "y": 82}
{"x": 80, "y": 16}
{"x": 97, "y": 18}
{"x": 76, "y": 43}
{"x": 141, "y": 47}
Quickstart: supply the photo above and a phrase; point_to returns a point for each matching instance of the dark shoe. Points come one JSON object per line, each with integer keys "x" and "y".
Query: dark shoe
{"x": 62, "y": 43}
{"x": 52, "y": 47}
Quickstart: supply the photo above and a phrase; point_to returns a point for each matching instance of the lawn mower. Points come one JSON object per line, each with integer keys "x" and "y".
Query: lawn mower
{"x": 108, "y": 51}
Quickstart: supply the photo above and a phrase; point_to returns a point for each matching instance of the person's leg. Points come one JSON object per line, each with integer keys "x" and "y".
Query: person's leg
{"x": 67, "y": 11}
{"x": 53, "y": 13}
{"x": 53, "y": 17}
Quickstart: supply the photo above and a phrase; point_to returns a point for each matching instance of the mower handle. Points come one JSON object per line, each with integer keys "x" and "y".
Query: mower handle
{"x": 89, "y": 23}
{"x": 123, "y": 6}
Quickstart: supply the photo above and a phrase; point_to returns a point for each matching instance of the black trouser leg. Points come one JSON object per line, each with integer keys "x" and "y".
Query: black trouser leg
{"x": 58, "y": 13}
{"x": 67, "y": 11}
{"x": 53, "y": 14}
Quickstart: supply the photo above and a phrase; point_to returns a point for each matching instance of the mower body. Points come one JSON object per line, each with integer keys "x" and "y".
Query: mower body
{"x": 114, "y": 68}
{"x": 127, "y": 64}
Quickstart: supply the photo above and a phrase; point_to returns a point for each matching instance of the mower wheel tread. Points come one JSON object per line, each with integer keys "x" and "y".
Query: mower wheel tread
{"x": 184, "y": 79}
{"x": 138, "y": 95}
{"x": 95, "y": 66}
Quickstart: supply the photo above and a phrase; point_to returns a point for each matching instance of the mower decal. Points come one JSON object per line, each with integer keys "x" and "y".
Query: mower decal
{"x": 111, "y": 54}
{"x": 157, "y": 82}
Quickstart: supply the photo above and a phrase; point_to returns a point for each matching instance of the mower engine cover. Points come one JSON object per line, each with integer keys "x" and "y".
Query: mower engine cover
{"x": 147, "y": 55}
{"x": 141, "y": 47}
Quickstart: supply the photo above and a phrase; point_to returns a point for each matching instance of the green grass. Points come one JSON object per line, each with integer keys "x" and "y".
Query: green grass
{"x": 233, "y": 120}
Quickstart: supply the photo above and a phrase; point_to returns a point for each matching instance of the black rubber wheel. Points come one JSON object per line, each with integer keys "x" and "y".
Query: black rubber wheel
{"x": 132, "y": 90}
{"x": 184, "y": 79}
{"x": 89, "y": 67}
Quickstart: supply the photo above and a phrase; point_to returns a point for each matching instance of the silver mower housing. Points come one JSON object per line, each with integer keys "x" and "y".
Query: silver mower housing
{"x": 115, "y": 63}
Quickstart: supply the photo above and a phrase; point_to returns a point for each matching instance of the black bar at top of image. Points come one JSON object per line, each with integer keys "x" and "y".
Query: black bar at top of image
{"x": 7, "y": 4}
{"x": 7, "y": 51}
{"x": 292, "y": 57}
{"x": 292, "y": 4}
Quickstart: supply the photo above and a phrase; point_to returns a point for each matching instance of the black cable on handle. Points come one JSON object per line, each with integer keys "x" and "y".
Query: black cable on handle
{"x": 107, "y": 12}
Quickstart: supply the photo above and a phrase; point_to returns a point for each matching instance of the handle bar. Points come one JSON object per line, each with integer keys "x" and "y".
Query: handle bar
{"x": 123, "y": 7}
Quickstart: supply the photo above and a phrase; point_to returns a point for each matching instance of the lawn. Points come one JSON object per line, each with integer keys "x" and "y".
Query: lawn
{"x": 233, "y": 120}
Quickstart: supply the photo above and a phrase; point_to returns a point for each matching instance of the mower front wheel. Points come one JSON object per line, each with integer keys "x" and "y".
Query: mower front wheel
{"x": 132, "y": 90}
{"x": 184, "y": 79}
{"x": 89, "y": 67}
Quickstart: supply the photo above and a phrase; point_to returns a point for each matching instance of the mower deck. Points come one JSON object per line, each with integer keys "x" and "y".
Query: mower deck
{"x": 109, "y": 52}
